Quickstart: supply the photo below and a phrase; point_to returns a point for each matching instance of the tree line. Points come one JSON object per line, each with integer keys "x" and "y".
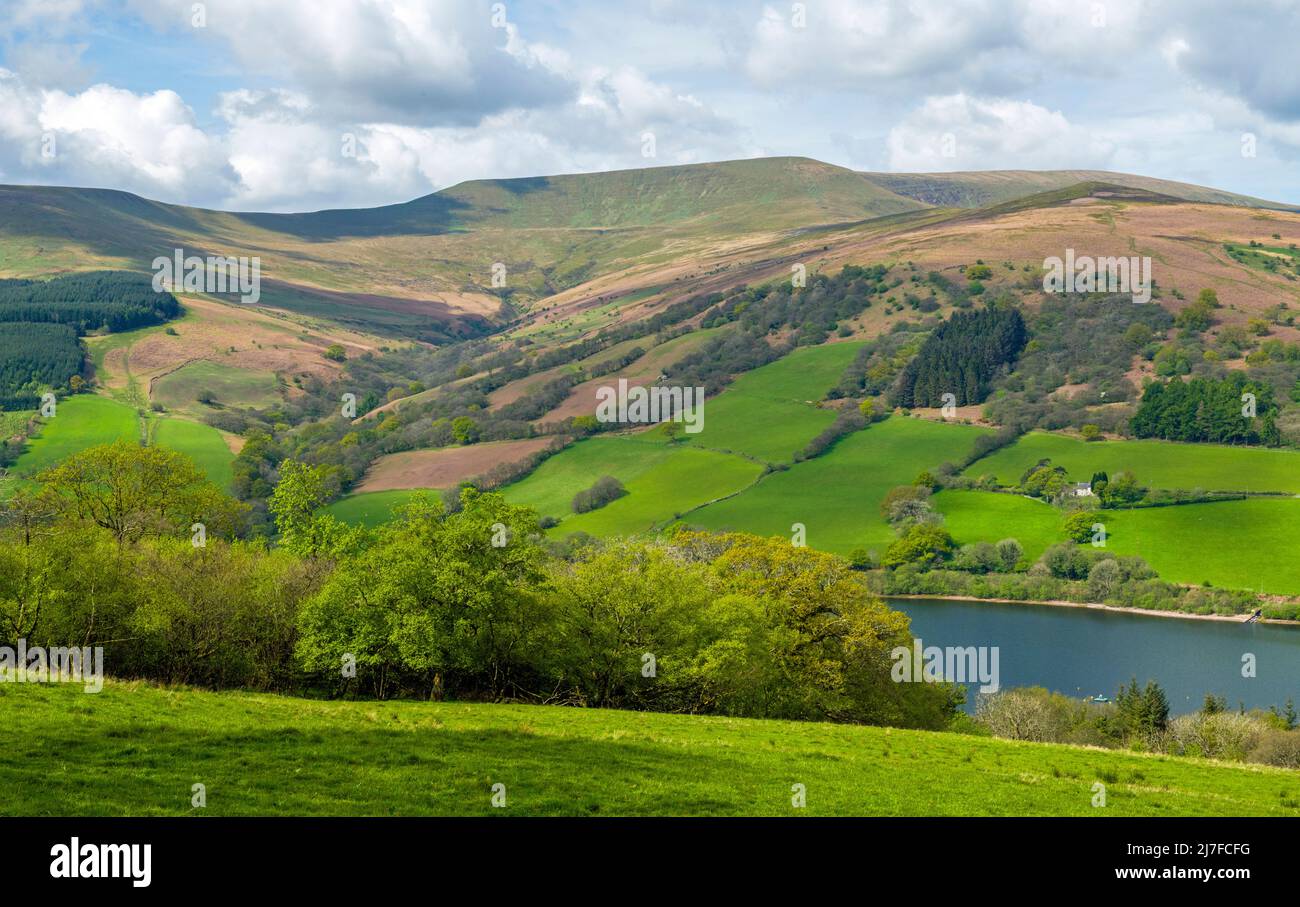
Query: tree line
{"x": 470, "y": 603}
{"x": 111, "y": 301}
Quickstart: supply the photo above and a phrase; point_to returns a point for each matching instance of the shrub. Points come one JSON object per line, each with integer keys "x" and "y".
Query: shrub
{"x": 606, "y": 490}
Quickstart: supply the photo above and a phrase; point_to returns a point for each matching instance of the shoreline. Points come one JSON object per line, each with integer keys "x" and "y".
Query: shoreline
{"x": 1096, "y": 606}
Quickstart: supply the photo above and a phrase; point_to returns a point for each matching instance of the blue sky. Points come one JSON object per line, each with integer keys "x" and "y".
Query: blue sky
{"x": 303, "y": 104}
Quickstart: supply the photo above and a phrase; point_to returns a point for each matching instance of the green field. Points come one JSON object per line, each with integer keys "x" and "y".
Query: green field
{"x": 202, "y": 443}
{"x": 373, "y": 508}
{"x": 837, "y": 495}
{"x": 550, "y": 488}
{"x": 656, "y": 496}
{"x": 135, "y": 749}
{"x": 227, "y": 385}
{"x": 770, "y": 413}
{"x": 79, "y": 422}
{"x": 1157, "y": 464}
{"x": 1251, "y": 544}
{"x": 982, "y": 516}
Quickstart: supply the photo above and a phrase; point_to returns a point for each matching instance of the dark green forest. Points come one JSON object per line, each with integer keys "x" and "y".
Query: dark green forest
{"x": 961, "y": 357}
{"x": 1208, "y": 409}
{"x": 110, "y": 301}
{"x": 34, "y": 357}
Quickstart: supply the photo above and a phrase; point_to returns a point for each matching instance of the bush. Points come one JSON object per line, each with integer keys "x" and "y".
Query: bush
{"x": 606, "y": 490}
{"x": 1276, "y": 747}
{"x": 1221, "y": 735}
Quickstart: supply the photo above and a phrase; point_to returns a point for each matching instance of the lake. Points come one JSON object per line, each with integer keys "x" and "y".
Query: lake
{"x": 1082, "y": 652}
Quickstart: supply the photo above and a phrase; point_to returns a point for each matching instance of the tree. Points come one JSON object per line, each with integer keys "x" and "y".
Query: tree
{"x": 920, "y": 543}
{"x": 1104, "y": 579}
{"x": 1138, "y": 335}
{"x": 1009, "y": 552}
{"x": 435, "y": 602}
{"x": 296, "y": 502}
{"x": 901, "y": 493}
{"x": 335, "y": 352}
{"x": 1142, "y": 714}
{"x": 465, "y": 430}
{"x": 1078, "y": 526}
{"x": 134, "y": 491}
{"x": 1123, "y": 489}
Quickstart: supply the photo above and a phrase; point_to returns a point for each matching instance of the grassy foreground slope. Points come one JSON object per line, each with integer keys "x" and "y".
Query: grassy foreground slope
{"x": 135, "y": 749}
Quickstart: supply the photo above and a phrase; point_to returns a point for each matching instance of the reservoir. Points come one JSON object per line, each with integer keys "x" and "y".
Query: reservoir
{"x": 1085, "y": 652}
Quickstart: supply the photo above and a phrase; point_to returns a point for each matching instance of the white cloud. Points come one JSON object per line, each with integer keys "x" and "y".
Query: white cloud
{"x": 408, "y": 61}
{"x": 106, "y": 136}
{"x": 960, "y": 132}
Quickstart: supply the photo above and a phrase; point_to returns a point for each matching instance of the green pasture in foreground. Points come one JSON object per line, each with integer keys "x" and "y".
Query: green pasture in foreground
{"x": 837, "y": 495}
{"x": 135, "y": 749}
{"x": 1157, "y": 464}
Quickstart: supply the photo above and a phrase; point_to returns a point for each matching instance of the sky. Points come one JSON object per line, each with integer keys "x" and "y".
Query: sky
{"x": 295, "y": 105}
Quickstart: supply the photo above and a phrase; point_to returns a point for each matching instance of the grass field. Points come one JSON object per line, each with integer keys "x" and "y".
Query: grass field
{"x": 1250, "y": 544}
{"x": 657, "y": 495}
{"x": 227, "y": 384}
{"x": 982, "y": 516}
{"x": 371, "y": 508}
{"x": 837, "y": 495}
{"x": 202, "y": 443}
{"x": 79, "y": 422}
{"x": 1157, "y": 464}
{"x": 550, "y": 488}
{"x": 769, "y": 413}
{"x": 135, "y": 749}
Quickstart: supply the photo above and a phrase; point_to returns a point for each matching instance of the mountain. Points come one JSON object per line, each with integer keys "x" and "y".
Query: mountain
{"x": 423, "y": 269}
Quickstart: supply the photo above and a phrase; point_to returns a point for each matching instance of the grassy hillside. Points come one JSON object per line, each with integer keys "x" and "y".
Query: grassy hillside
{"x": 135, "y": 749}
{"x": 837, "y": 495}
{"x": 610, "y": 238}
{"x": 1250, "y": 544}
{"x": 79, "y": 422}
{"x": 771, "y": 413}
{"x": 201, "y": 443}
{"x": 991, "y": 187}
{"x": 1157, "y": 464}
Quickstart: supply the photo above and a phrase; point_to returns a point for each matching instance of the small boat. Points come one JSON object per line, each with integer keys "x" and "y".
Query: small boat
{"x": 1100, "y": 699}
